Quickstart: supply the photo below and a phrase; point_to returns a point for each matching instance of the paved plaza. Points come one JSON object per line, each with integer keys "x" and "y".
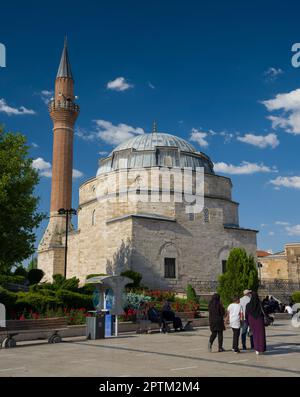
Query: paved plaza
{"x": 175, "y": 354}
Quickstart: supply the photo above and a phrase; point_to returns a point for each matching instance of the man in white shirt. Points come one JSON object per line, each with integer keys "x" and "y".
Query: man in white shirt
{"x": 234, "y": 316}
{"x": 244, "y": 326}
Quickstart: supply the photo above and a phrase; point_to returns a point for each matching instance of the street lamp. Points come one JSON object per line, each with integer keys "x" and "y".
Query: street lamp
{"x": 67, "y": 212}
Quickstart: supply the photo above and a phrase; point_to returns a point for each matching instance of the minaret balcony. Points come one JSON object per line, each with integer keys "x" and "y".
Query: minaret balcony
{"x": 63, "y": 105}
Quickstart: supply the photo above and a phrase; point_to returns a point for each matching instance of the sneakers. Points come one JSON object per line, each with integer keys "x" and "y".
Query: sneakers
{"x": 237, "y": 351}
{"x": 209, "y": 347}
{"x": 221, "y": 350}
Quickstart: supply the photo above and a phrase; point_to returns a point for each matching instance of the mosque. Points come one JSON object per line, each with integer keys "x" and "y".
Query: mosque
{"x": 161, "y": 235}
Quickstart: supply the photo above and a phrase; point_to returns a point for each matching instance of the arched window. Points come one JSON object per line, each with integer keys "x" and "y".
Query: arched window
{"x": 206, "y": 214}
{"x": 94, "y": 218}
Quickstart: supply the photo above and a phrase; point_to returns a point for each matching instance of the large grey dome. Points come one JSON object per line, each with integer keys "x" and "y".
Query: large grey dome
{"x": 151, "y": 141}
{"x": 155, "y": 149}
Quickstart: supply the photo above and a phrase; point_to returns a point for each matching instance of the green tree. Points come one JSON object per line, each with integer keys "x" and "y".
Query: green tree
{"x": 18, "y": 204}
{"x": 241, "y": 274}
{"x": 191, "y": 294}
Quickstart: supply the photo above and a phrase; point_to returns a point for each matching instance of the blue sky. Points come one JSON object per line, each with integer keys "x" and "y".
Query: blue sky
{"x": 217, "y": 72}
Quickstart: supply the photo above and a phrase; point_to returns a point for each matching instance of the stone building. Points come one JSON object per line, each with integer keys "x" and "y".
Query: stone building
{"x": 284, "y": 265}
{"x": 150, "y": 226}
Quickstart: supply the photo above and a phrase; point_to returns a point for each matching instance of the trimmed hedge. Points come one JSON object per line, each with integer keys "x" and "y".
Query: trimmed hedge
{"x": 74, "y": 300}
{"x": 11, "y": 279}
{"x": 34, "y": 301}
{"x": 296, "y": 297}
{"x": 8, "y": 298}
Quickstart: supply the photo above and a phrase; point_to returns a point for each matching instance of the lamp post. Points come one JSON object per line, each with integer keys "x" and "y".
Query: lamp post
{"x": 67, "y": 212}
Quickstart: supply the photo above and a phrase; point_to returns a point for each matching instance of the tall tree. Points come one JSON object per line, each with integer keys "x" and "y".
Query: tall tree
{"x": 19, "y": 215}
{"x": 241, "y": 274}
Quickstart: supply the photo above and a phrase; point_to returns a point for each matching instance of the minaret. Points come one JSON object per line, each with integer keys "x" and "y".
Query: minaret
{"x": 63, "y": 112}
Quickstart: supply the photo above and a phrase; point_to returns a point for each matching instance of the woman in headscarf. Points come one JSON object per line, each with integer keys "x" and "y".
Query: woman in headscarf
{"x": 216, "y": 321}
{"x": 255, "y": 319}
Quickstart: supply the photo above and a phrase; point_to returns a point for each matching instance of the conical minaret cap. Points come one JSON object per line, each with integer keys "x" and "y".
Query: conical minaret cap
{"x": 64, "y": 69}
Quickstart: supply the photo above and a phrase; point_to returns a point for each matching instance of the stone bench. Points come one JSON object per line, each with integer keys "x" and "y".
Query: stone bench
{"x": 47, "y": 328}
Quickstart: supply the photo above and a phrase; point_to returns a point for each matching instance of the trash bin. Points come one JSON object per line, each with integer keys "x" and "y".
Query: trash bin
{"x": 95, "y": 326}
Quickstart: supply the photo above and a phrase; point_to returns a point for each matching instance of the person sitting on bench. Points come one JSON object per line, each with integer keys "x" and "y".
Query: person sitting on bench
{"x": 153, "y": 314}
{"x": 167, "y": 315}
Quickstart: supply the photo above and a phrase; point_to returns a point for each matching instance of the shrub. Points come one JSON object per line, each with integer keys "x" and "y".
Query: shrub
{"x": 7, "y": 298}
{"x": 35, "y": 276}
{"x": 241, "y": 274}
{"x": 191, "y": 294}
{"x": 87, "y": 289}
{"x": 95, "y": 275}
{"x": 135, "y": 276}
{"x": 60, "y": 282}
{"x": 133, "y": 300}
{"x": 21, "y": 271}
{"x": 161, "y": 296}
{"x": 34, "y": 301}
{"x": 12, "y": 279}
{"x": 296, "y": 297}
{"x": 183, "y": 305}
{"x": 42, "y": 291}
{"x": 74, "y": 299}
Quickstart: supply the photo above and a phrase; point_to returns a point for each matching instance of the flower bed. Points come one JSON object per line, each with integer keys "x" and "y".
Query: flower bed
{"x": 74, "y": 316}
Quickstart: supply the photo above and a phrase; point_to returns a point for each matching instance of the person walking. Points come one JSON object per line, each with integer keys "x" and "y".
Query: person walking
{"x": 234, "y": 317}
{"x": 244, "y": 323}
{"x": 216, "y": 321}
{"x": 255, "y": 319}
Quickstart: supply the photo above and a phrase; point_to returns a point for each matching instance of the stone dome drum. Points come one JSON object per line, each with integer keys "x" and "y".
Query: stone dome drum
{"x": 155, "y": 150}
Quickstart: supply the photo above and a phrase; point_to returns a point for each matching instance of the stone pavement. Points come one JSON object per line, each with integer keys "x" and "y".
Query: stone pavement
{"x": 175, "y": 354}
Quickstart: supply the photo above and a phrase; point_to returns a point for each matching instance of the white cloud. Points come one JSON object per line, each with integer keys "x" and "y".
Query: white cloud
{"x": 272, "y": 74}
{"x": 35, "y": 145}
{"x": 45, "y": 168}
{"x": 293, "y": 230}
{"x": 261, "y": 141}
{"x": 282, "y": 223}
{"x": 77, "y": 174}
{"x": 103, "y": 153}
{"x": 116, "y": 134}
{"x": 263, "y": 225}
{"x": 151, "y": 85}
{"x": 271, "y": 234}
{"x": 86, "y": 136}
{"x": 289, "y": 105}
{"x": 109, "y": 133}
{"x": 199, "y": 137}
{"x": 10, "y": 111}
{"x": 119, "y": 84}
{"x": 245, "y": 168}
{"x": 46, "y": 95}
{"x": 286, "y": 181}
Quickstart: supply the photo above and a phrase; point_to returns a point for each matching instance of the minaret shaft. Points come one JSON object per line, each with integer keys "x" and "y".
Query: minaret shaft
{"x": 63, "y": 112}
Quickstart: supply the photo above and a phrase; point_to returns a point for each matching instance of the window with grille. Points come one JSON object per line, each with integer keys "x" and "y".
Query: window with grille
{"x": 170, "y": 268}
{"x": 191, "y": 216}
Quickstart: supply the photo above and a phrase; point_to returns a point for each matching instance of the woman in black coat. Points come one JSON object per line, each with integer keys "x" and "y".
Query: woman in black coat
{"x": 216, "y": 321}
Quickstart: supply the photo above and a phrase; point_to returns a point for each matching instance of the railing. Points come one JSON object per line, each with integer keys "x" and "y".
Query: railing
{"x": 65, "y": 105}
